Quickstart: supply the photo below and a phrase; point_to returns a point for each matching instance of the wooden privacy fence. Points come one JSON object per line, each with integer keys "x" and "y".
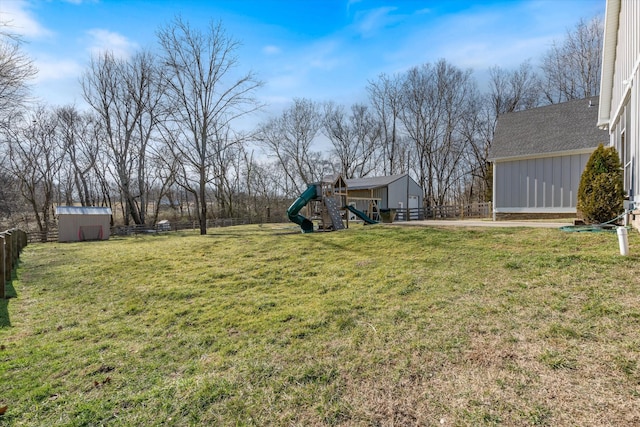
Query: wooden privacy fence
{"x": 42, "y": 236}
{"x": 11, "y": 244}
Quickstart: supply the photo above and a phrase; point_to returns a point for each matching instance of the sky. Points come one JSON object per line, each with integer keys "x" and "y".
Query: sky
{"x": 324, "y": 50}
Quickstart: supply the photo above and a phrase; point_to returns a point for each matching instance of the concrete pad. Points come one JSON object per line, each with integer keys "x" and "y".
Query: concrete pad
{"x": 482, "y": 223}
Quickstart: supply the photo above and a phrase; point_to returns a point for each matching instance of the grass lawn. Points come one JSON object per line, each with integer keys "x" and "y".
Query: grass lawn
{"x": 371, "y": 326}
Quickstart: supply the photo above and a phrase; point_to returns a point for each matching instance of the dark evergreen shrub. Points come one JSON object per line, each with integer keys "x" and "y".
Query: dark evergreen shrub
{"x": 600, "y": 194}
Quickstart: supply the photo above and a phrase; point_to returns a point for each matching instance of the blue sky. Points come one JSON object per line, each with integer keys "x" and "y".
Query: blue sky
{"x": 318, "y": 49}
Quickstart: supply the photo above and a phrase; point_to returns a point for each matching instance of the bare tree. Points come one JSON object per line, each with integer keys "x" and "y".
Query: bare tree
{"x": 477, "y": 130}
{"x": 163, "y": 167}
{"x": 509, "y": 91}
{"x": 513, "y": 90}
{"x": 354, "y": 137}
{"x": 420, "y": 118}
{"x": 10, "y": 200}
{"x": 385, "y": 96}
{"x": 205, "y": 96}
{"x": 16, "y": 69}
{"x": 289, "y": 138}
{"x": 126, "y": 95}
{"x": 77, "y": 138}
{"x": 266, "y": 188}
{"x": 36, "y": 156}
{"x": 435, "y": 103}
{"x": 455, "y": 90}
{"x": 571, "y": 68}
{"x": 147, "y": 87}
{"x": 226, "y": 160}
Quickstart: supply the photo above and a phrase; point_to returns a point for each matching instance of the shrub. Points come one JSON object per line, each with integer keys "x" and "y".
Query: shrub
{"x": 600, "y": 194}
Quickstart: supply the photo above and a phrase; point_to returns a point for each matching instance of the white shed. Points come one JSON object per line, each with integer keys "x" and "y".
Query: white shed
{"x": 80, "y": 223}
{"x": 385, "y": 192}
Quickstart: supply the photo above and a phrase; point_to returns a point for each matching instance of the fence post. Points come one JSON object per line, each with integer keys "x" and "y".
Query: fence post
{"x": 15, "y": 250}
{"x": 3, "y": 265}
{"x": 8, "y": 257}
{"x": 23, "y": 240}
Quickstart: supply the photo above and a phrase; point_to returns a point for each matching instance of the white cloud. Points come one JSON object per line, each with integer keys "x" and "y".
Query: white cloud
{"x": 65, "y": 92}
{"x": 478, "y": 39}
{"x": 81, "y": 1}
{"x": 370, "y": 22}
{"x": 15, "y": 14}
{"x": 105, "y": 40}
{"x": 271, "y": 50}
{"x": 351, "y": 3}
{"x": 486, "y": 54}
{"x": 424, "y": 11}
{"x": 57, "y": 70}
{"x": 285, "y": 81}
{"x": 294, "y": 73}
{"x": 322, "y": 55}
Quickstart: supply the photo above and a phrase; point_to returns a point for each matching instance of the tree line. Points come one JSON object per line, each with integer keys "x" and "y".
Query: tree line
{"x": 161, "y": 136}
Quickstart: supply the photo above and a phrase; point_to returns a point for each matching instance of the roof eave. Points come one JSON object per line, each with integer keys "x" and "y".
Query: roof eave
{"x": 612, "y": 14}
{"x": 585, "y": 150}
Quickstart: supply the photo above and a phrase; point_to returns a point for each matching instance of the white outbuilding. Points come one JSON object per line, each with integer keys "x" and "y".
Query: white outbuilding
{"x": 81, "y": 223}
{"x": 374, "y": 194}
{"x": 538, "y": 157}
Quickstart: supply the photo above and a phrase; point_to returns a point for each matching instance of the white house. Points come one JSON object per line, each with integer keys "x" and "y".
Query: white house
{"x": 619, "y": 98}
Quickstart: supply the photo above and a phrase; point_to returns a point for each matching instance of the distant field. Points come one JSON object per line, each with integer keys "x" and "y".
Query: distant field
{"x": 379, "y": 326}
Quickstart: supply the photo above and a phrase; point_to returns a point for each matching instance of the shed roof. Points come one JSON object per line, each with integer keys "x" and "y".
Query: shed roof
{"x": 568, "y": 126}
{"x": 82, "y": 210}
{"x": 372, "y": 182}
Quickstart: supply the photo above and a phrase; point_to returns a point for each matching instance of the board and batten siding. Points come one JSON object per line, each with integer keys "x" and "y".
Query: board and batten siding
{"x": 627, "y": 54}
{"x": 624, "y": 107}
{"x": 538, "y": 185}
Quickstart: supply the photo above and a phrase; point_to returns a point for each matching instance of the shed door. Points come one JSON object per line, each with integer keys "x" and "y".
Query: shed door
{"x": 413, "y": 202}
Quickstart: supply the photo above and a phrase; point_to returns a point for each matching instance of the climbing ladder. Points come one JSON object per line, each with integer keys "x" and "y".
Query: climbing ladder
{"x": 334, "y": 213}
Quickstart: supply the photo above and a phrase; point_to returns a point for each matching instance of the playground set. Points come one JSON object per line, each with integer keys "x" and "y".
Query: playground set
{"x": 327, "y": 202}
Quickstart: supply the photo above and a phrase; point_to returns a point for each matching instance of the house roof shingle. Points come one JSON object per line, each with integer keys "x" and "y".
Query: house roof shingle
{"x": 554, "y": 128}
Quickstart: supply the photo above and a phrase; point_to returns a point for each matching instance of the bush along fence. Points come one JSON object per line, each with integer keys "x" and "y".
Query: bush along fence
{"x": 11, "y": 244}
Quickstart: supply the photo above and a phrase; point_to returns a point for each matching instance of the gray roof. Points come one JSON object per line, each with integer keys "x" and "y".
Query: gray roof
{"x": 82, "y": 210}
{"x": 372, "y": 182}
{"x": 568, "y": 126}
